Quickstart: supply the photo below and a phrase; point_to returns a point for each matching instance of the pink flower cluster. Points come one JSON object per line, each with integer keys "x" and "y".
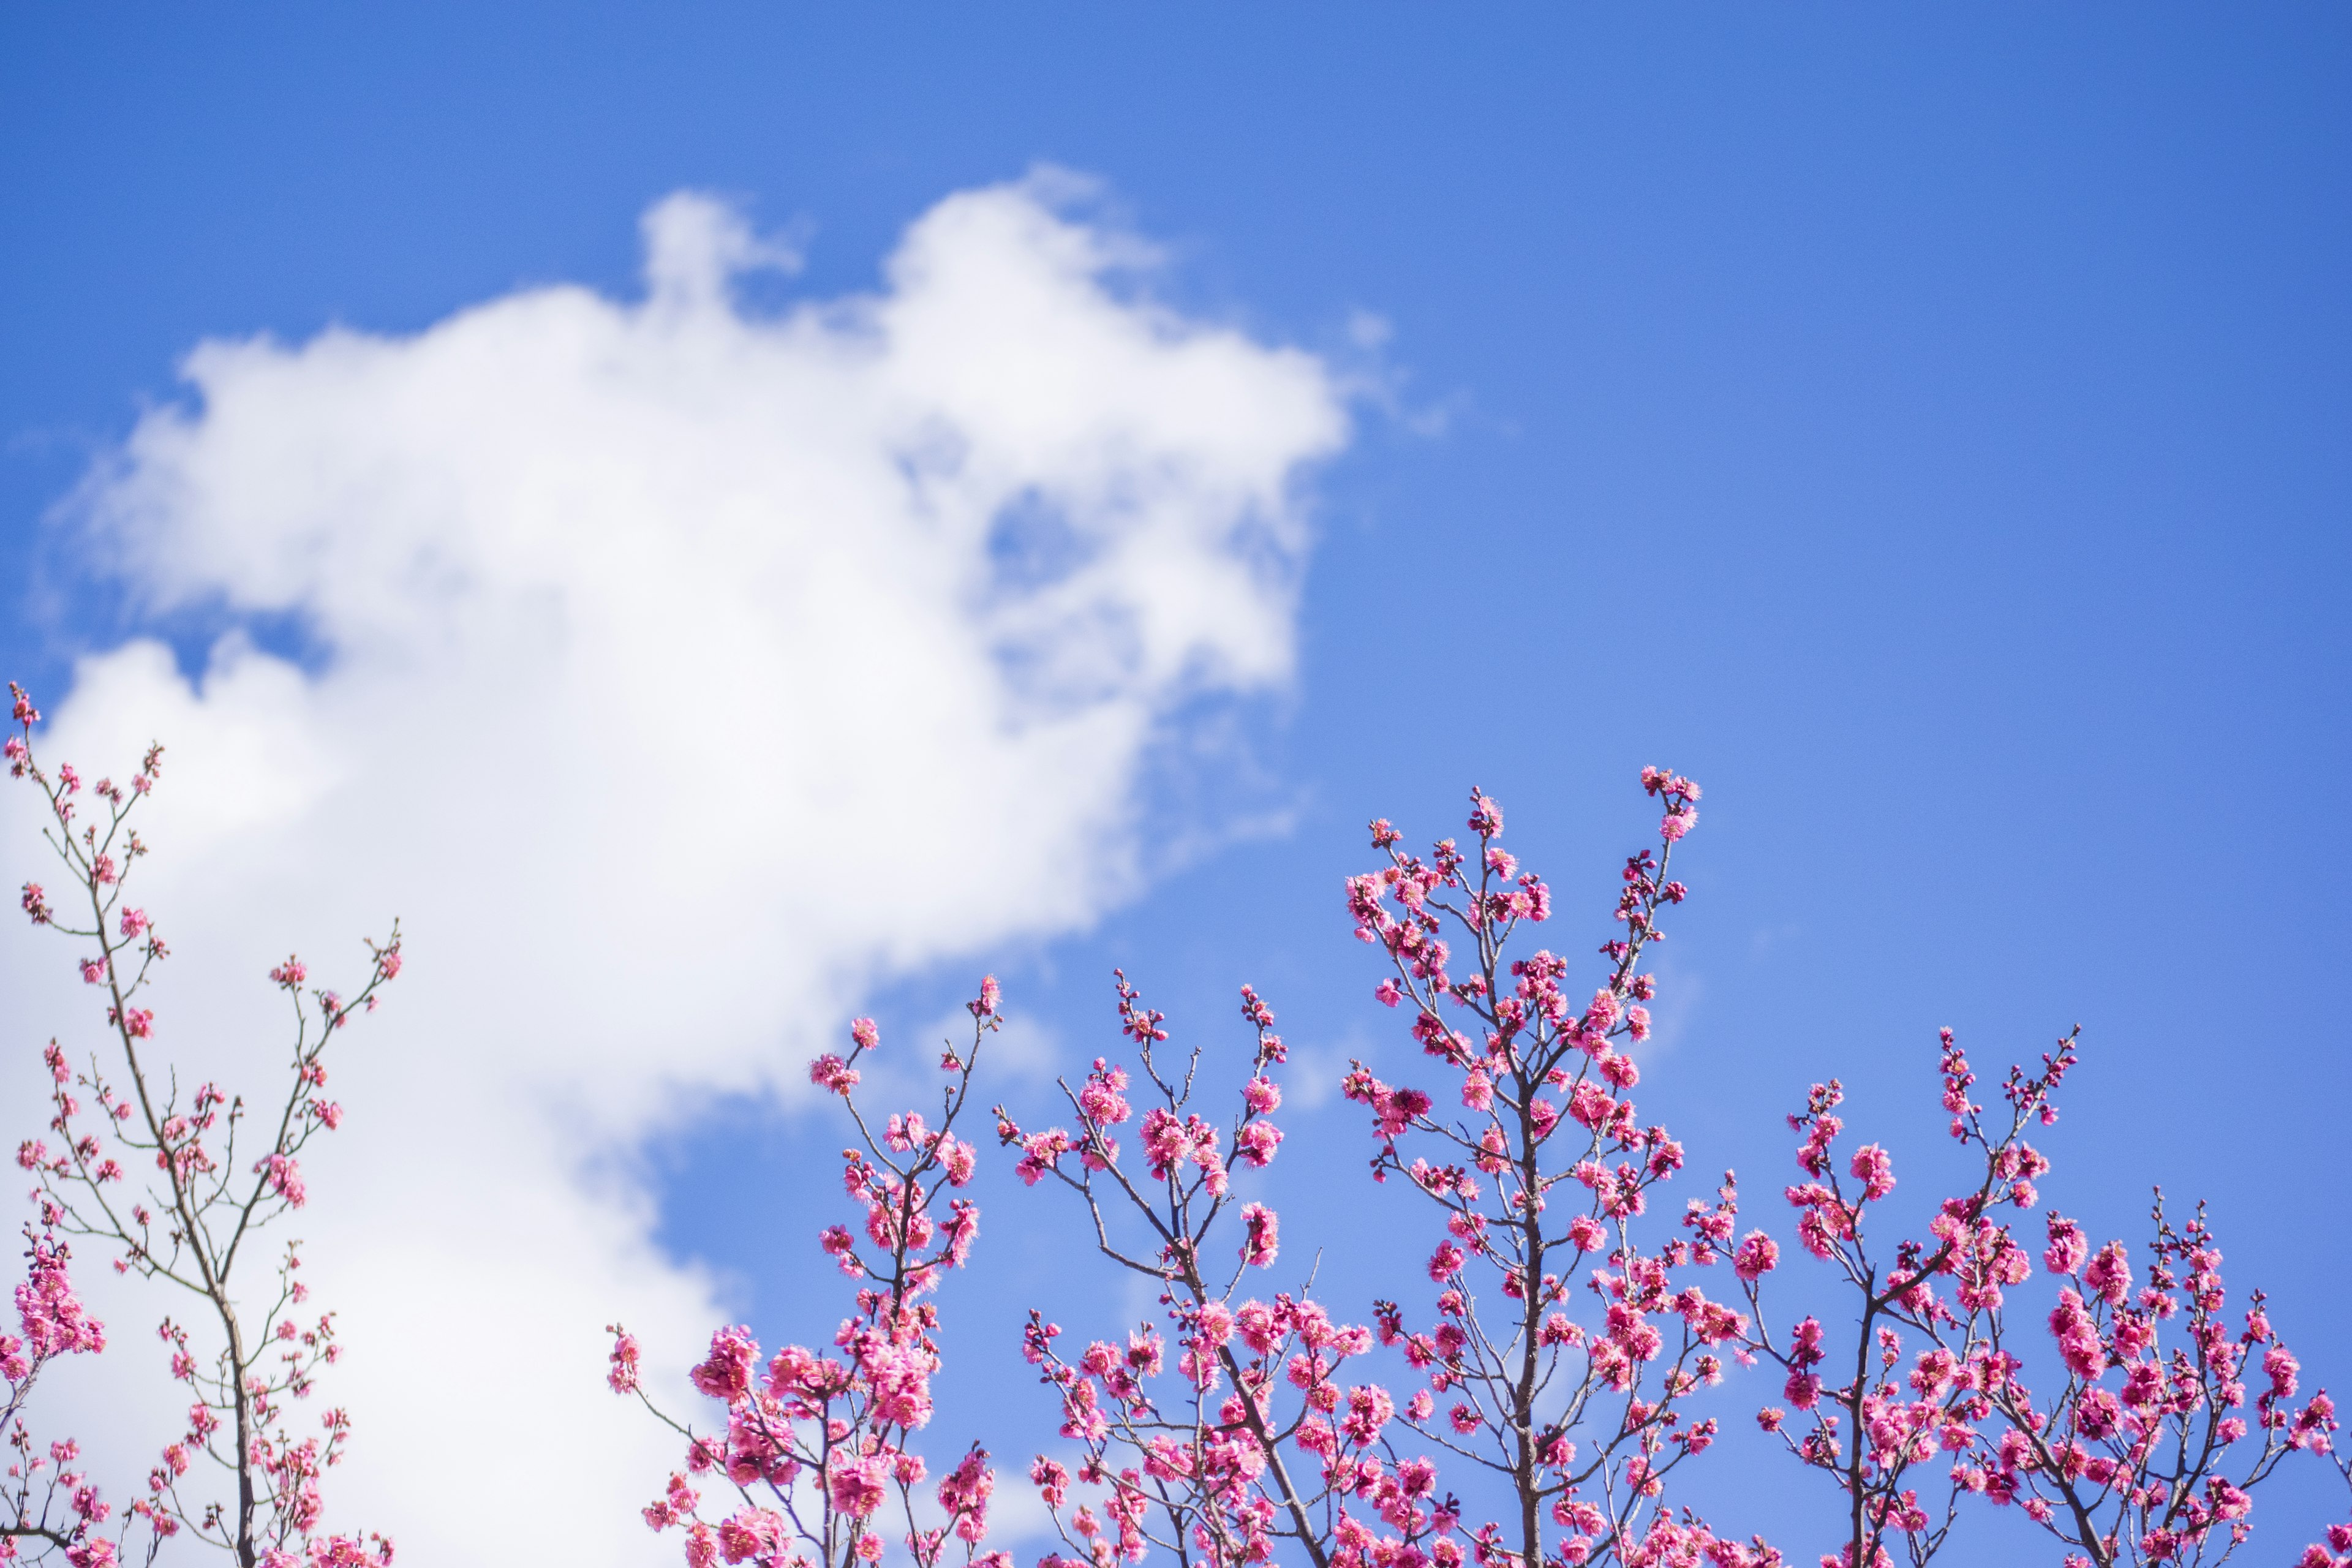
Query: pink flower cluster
{"x": 43, "y": 1500}
{"x": 51, "y": 1314}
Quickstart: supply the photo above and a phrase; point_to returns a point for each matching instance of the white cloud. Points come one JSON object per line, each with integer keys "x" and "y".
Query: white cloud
{"x": 683, "y": 672}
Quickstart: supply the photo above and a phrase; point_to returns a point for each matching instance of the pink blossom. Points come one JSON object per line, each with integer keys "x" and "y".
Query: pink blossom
{"x": 857, "y": 1485}
{"x": 830, "y": 1072}
{"x": 2067, "y": 1246}
{"x": 2077, "y": 1336}
{"x": 1104, "y": 1098}
{"x": 1263, "y": 1241}
{"x": 1485, "y": 816}
{"x": 959, "y": 1159}
{"x": 2281, "y": 1368}
{"x": 1875, "y": 1171}
{"x": 1757, "y": 1255}
{"x": 726, "y": 1372}
{"x": 753, "y": 1533}
{"x": 1257, "y": 1142}
{"x": 623, "y": 1376}
{"x": 2109, "y": 1273}
{"x": 1041, "y": 1153}
{"x": 1052, "y": 1480}
{"x": 284, "y": 1178}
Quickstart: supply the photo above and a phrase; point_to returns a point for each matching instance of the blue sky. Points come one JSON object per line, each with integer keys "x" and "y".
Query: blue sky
{"x": 1926, "y": 428}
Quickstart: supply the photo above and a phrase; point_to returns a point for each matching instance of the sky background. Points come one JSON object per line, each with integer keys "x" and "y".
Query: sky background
{"x": 1928, "y": 430}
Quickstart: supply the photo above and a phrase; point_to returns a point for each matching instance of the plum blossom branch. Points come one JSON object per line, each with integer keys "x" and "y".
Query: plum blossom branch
{"x": 1210, "y": 1475}
{"x": 1548, "y": 1170}
{"x": 188, "y": 1224}
{"x": 818, "y": 1448}
{"x": 2158, "y": 1466}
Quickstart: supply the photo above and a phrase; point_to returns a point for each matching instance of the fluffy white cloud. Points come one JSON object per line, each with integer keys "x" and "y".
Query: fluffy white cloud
{"x": 681, "y": 673}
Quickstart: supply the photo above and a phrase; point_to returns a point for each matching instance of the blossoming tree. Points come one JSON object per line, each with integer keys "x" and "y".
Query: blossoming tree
{"x": 1576, "y": 1340}
{"x": 817, "y": 1446}
{"x": 1550, "y": 1366}
{"x": 1572, "y": 1429}
{"x": 177, "y": 1191}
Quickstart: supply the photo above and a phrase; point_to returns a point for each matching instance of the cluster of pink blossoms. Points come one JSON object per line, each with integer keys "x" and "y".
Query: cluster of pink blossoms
{"x": 816, "y": 1447}
{"x": 49, "y": 1502}
{"x": 186, "y": 1227}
